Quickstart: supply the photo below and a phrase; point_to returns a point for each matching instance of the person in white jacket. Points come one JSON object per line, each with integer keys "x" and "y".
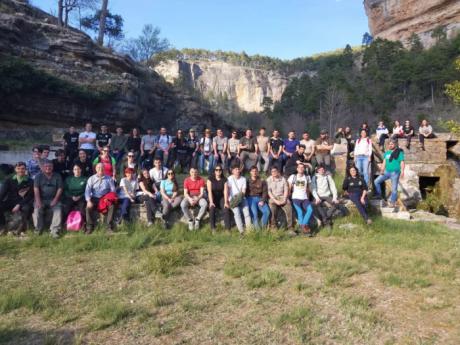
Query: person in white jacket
{"x": 362, "y": 155}
{"x": 325, "y": 194}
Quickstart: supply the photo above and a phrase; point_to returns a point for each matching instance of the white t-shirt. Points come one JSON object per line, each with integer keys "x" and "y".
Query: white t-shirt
{"x": 236, "y": 186}
{"x": 148, "y": 141}
{"x": 207, "y": 144}
{"x": 397, "y": 130}
{"x": 309, "y": 145}
{"x": 158, "y": 174}
{"x": 88, "y": 135}
{"x": 300, "y": 186}
{"x": 131, "y": 185}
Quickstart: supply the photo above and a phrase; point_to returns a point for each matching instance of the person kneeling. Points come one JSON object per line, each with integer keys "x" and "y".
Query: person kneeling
{"x": 100, "y": 197}
{"x": 356, "y": 188}
{"x": 325, "y": 194}
{"x": 128, "y": 187}
{"x": 299, "y": 184}
{"x": 193, "y": 196}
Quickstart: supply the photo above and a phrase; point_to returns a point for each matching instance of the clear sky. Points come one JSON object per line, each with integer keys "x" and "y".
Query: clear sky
{"x": 280, "y": 28}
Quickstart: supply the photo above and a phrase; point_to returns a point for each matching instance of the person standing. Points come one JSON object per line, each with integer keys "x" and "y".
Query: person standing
{"x": 232, "y": 150}
{"x": 219, "y": 146}
{"x": 355, "y": 188}
{"x": 257, "y": 196}
{"x": 276, "y": 151}
{"x": 70, "y": 141}
{"x": 263, "y": 142}
{"x": 299, "y": 184}
{"x": 217, "y": 193}
{"x": 87, "y": 141}
{"x": 324, "y": 147}
{"x": 278, "y": 197}
{"x": 350, "y": 143}
{"x": 425, "y": 132}
{"x": 290, "y": 146}
{"x": 163, "y": 145}
{"x": 48, "y": 189}
{"x": 193, "y": 147}
{"x": 119, "y": 141}
{"x": 206, "y": 152}
{"x": 393, "y": 169}
{"x": 179, "y": 152}
{"x": 147, "y": 147}
{"x": 133, "y": 144}
{"x": 103, "y": 138}
{"x": 237, "y": 199}
{"x": 194, "y": 187}
{"x": 33, "y": 164}
{"x": 363, "y": 154}
{"x": 248, "y": 150}
{"x": 16, "y": 196}
{"x": 310, "y": 148}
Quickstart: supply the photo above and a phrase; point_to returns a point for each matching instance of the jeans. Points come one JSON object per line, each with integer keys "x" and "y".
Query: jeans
{"x": 394, "y": 176}
{"x": 254, "y": 207}
{"x": 151, "y": 206}
{"x": 278, "y": 162}
{"x": 362, "y": 163}
{"x": 39, "y": 215}
{"x": 356, "y": 199}
{"x": 242, "y": 208}
{"x": 304, "y": 211}
{"x": 185, "y": 206}
{"x": 202, "y": 161}
{"x": 125, "y": 205}
{"x": 382, "y": 139}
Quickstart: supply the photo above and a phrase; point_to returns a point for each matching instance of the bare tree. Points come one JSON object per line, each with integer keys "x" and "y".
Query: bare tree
{"x": 100, "y": 38}
{"x": 333, "y": 108}
{"x": 60, "y": 11}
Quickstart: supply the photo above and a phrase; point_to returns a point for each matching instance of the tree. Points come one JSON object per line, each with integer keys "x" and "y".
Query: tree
{"x": 367, "y": 39}
{"x": 147, "y": 44}
{"x": 416, "y": 45}
{"x": 60, "y": 11}
{"x": 334, "y": 105}
{"x": 453, "y": 89}
{"x": 113, "y": 26}
{"x": 102, "y": 22}
{"x": 439, "y": 34}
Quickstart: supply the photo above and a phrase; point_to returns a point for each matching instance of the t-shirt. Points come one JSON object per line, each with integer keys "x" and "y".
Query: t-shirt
{"x": 48, "y": 186}
{"x": 148, "y": 183}
{"x": 180, "y": 145}
{"x": 103, "y": 139}
{"x": 75, "y": 186}
{"x": 290, "y": 146}
{"x": 168, "y": 186}
{"x": 263, "y": 143}
{"x": 133, "y": 144}
{"x": 87, "y": 135}
{"x": 192, "y": 144}
{"x": 291, "y": 164}
{"x": 395, "y": 164}
{"x": 233, "y": 145}
{"x": 425, "y": 130}
{"x": 158, "y": 174}
{"x": 131, "y": 185}
{"x": 149, "y": 142}
{"x": 164, "y": 141}
{"x": 220, "y": 142}
{"x": 194, "y": 187}
{"x": 236, "y": 186}
{"x": 309, "y": 145}
{"x": 217, "y": 187}
{"x": 71, "y": 140}
{"x": 249, "y": 142}
{"x": 408, "y": 129}
{"x": 398, "y": 130}
{"x": 206, "y": 143}
{"x": 275, "y": 144}
{"x": 300, "y": 186}
{"x": 108, "y": 163}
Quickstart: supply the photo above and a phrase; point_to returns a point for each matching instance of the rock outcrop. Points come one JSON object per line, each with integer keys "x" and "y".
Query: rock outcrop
{"x": 399, "y": 19}
{"x": 132, "y": 95}
{"x": 245, "y": 87}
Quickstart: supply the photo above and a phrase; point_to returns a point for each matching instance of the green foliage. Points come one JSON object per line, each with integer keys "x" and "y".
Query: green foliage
{"x": 433, "y": 202}
{"x": 237, "y": 269}
{"x": 168, "y": 260}
{"x": 147, "y": 44}
{"x": 450, "y": 125}
{"x": 22, "y": 298}
{"x": 113, "y": 25}
{"x": 453, "y": 89}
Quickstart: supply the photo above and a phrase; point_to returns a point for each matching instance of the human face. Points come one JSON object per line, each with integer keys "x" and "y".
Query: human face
{"x": 100, "y": 169}
{"x": 275, "y": 173}
{"x": 135, "y": 132}
{"x": 234, "y": 134}
{"x": 300, "y": 169}
{"x": 61, "y": 157}
{"x": 276, "y": 134}
{"x": 236, "y": 172}
{"x": 130, "y": 156}
{"x": 218, "y": 171}
{"x": 48, "y": 169}
{"x": 88, "y": 127}
{"x": 129, "y": 175}
{"x": 407, "y": 123}
{"x": 353, "y": 172}
{"x": 76, "y": 171}
{"x": 254, "y": 173}
{"x": 321, "y": 171}
{"x": 192, "y": 134}
{"x": 71, "y": 129}
{"x": 397, "y": 124}
{"x": 262, "y": 132}
{"x": 306, "y": 136}
{"x": 36, "y": 154}
{"x": 105, "y": 151}
{"x": 82, "y": 155}
{"x": 45, "y": 154}
{"x": 347, "y": 130}
{"x": 20, "y": 170}
{"x": 104, "y": 129}
{"x": 220, "y": 133}
{"x": 179, "y": 134}
{"x": 194, "y": 173}
{"x": 249, "y": 133}
{"x": 170, "y": 174}
{"x": 145, "y": 173}
{"x": 301, "y": 150}
{"x": 391, "y": 145}
{"x": 207, "y": 133}
{"x": 363, "y": 134}
{"x": 119, "y": 131}
{"x": 162, "y": 131}
{"x": 149, "y": 132}
{"x": 157, "y": 163}
{"x": 291, "y": 135}
{"x": 424, "y": 123}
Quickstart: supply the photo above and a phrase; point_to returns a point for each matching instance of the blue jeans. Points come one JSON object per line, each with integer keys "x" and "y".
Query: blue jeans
{"x": 210, "y": 159}
{"x": 304, "y": 211}
{"x": 254, "y": 207}
{"x": 125, "y": 206}
{"x": 362, "y": 163}
{"x": 394, "y": 176}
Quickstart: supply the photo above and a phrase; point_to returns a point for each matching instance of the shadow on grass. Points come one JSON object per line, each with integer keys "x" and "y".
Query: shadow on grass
{"x": 22, "y": 336}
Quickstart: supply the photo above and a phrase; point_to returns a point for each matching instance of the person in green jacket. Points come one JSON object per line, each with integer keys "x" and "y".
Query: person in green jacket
{"x": 74, "y": 192}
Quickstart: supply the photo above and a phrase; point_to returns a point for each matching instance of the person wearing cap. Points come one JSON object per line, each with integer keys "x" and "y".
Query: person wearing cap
{"x": 325, "y": 194}
{"x": 16, "y": 196}
{"x": 323, "y": 149}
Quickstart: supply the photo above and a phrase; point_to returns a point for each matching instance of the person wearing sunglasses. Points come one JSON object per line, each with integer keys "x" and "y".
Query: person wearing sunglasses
{"x": 217, "y": 193}
{"x": 194, "y": 187}
{"x": 130, "y": 162}
{"x": 170, "y": 197}
{"x": 149, "y": 195}
{"x": 107, "y": 161}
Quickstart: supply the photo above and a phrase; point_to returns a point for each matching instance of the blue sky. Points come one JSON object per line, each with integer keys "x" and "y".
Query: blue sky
{"x": 281, "y": 28}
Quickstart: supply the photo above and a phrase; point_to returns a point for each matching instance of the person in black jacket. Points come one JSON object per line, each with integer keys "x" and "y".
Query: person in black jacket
{"x": 356, "y": 188}
{"x": 16, "y": 195}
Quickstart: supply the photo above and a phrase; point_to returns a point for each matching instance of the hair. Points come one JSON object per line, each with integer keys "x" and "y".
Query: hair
{"x": 77, "y": 165}
{"x": 45, "y": 147}
{"x": 352, "y": 166}
{"x": 20, "y": 164}
{"x": 274, "y": 167}
{"x": 302, "y": 146}
{"x": 254, "y": 167}
{"x": 60, "y": 152}
{"x": 129, "y": 171}
{"x": 132, "y": 131}
{"x": 174, "y": 181}
{"x": 38, "y": 148}
{"x": 320, "y": 166}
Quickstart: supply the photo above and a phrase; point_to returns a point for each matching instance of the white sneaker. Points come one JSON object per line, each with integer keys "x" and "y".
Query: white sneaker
{"x": 197, "y": 224}
{"x": 190, "y": 225}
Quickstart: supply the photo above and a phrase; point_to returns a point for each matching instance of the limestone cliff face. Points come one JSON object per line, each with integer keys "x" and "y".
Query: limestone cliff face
{"x": 137, "y": 95}
{"x": 246, "y": 87}
{"x": 399, "y": 19}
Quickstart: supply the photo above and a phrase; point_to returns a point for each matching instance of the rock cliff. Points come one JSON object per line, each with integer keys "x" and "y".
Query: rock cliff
{"x": 98, "y": 84}
{"x": 399, "y": 19}
{"x": 245, "y": 87}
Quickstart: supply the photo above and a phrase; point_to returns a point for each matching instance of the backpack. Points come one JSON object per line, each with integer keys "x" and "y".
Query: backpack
{"x": 74, "y": 221}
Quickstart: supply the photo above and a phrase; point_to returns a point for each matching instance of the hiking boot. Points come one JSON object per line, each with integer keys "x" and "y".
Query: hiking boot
{"x": 197, "y": 224}
{"x": 190, "y": 225}
{"x": 89, "y": 230}
{"x": 369, "y": 221}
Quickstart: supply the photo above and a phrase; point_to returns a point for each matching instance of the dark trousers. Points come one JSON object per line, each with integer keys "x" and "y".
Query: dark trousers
{"x": 125, "y": 206}
{"x": 71, "y": 154}
{"x": 382, "y": 139}
{"x": 325, "y": 209}
{"x": 25, "y": 211}
{"x": 409, "y": 139}
{"x": 69, "y": 204}
{"x": 356, "y": 199}
{"x": 212, "y": 214}
{"x": 92, "y": 213}
{"x": 183, "y": 160}
{"x": 422, "y": 138}
{"x": 151, "y": 206}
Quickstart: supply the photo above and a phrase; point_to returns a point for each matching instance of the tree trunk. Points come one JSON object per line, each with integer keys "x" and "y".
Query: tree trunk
{"x": 432, "y": 94}
{"x": 100, "y": 39}
{"x": 66, "y": 18}
{"x": 60, "y": 11}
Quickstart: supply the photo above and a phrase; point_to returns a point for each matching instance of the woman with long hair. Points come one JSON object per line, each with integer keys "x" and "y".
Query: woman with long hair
{"x": 217, "y": 193}
{"x": 355, "y": 188}
{"x": 170, "y": 196}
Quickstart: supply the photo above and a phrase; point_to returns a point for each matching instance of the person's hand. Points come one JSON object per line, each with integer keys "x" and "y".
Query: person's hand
{"x": 317, "y": 201}
{"x": 16, "y": 208}
{"x": 38, "y": 204}
{"x": 76, "y": 198}
{"x": 261, "y": 203}
{"x": 132, "y": 199}
{"x": 89, "y": 204}
{"x": 402, "y": 174}
{"x": 212, "y": 205}
{"x": 226, "y": 204}
{"x": 151, "y": 195}
{"x": 335, "y": 202}
{"x": 53, "y": 203}
{"x": 363, "y": 201}
{"x": 216, "y": 155}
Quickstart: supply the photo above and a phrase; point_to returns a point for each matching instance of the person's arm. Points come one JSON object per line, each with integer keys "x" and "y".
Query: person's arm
{"x": 211, "y": 199}
{"x": 112, "y": 186}
{"x": 187, "y": 196}
{"x": 314, "y": 190}
{"x": 226, "y": 203}
{"x": 214, "y": 148}
{"x": 333, "y": 188}
{"x": 57, "y": 197}
{"x": 345, "y": 186}
{"x": 264, "y": 192}
{"x": 144, "y": 189}
{"x": 163, "y": 193}
{"x": 403, "y": 166}
{"x": 201, "y": 192}
{"x": 142, "y": 146}
{"x": 126, "y": 191}
{"x": 256, "y": 148}
{"x": 38, "y": 199}
{"x": 225, "y": 146}
{"x": 384, "y": 163}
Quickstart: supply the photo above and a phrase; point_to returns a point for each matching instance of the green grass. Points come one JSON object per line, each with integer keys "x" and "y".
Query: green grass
{"x": 109, "y": 314}
{"x": 23, "y": 298}
{"x": 265, "y": 279}
{"x": 168, "y": 260}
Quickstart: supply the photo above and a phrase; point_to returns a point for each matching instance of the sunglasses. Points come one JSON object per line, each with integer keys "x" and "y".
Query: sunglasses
{"x": 130, "y": 155}
{"x": 218, "y": 169}
{"x": 105, "y": 150}
{"x": 170, "y": 173}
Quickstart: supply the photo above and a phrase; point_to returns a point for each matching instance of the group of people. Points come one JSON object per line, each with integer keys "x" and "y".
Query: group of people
{"x": 99, "y": 173}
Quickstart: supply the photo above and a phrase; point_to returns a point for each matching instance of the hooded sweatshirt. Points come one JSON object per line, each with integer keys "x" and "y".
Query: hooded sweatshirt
{"x": 323, "y": 186}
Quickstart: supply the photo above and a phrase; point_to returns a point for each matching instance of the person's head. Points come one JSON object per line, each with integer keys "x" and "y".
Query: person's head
{"x": 45, "y": 152}
{"x": 407, "y": 123}
{"x": 130, "y": 156}
{"x": 249, "y": 132}
{"x": 321, "y": 169}
{"x": 219, "y": 132}
{"x": 105, "y": 151}
{"x": 82, "y": 155}
{"x": 103, "y": 129}
{"x": 157, "y": 163}
{"x": 99, "y": 169}
{"x": 275, "y": 172}
{"x": 365, "y": 125}
{"x": 76, "y": 170}
{"x": 60, "y": 155}
{"x": 347, "y": 130}
{"x": 276, "y": 133}
{"x": 129, "y": 172}
{"x": 170, "y": 174}
{"x": 36, "y": 152}
{"x": 323, "y": 134}
{"x": 193, "y": 173}
{"x": 397, "y": 124}
{"x": 192, "y": 133}
{"x": 306, "y": 136}
{"x": 71, "y": 129}
{"x": 207, "y": 133}
{"x": 145, "y": 173}
{"x": 392, "y": 144}
{"x": 218, "y": 171}
{"x": 236, "y": 170}
{"x": 300, "y": 169}
{"x": 119, "y": 131}
{"x": 424, "y": 123}
{"x": 88, "y": 127}
{"x": 340, "y": 130}
{"x": 234, "y": 134}
{"x": 363, "y": 133}
{"x": 149, "y": 131}
{"x": 163, "y": 131}
{"x": 180, "y": 134}
{"x": 135, "y": 132}
{"x": 254, "y": 172}
{"x": 352, "y": 171}
{"x": 301, "y": 149}
{"x": 47, "y": 167}
{"x": 262, "y": 131}
{"x": 20, "y": 169}
{"x": 291, "y": 135}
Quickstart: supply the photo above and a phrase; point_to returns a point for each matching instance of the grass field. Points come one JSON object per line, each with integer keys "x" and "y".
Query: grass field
{"x": 392, "y": 283}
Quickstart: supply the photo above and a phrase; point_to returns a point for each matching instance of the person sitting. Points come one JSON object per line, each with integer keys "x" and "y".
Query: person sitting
{"x": 355, "y": 188}
{"x": 409, "y": 132}
{"x": 108, "y": 163}
{"x": 170, "y": 197}
{"x": 158, "y": 174}
{"x": 180, "y": 152}
{"x": 219, "y": 147}
{"x": 127, "y": 196}
{"x": 363, "y": 154}
{"x": 33, "y": 164}
{"x": 296, "y": 158}
{"x": 325, "y": 194}
{"x": 194, "y": 187}
{"x": 84, "y": 163}
{"x": 149, "y": 195}
{"x": 61, "y": 165}
{"x": 381, "y": 134}
{"x": 16, "y": 196}
{"x": 74, "y": 192}
{"x": 130, "y": 162}
{"x": 206, "y": 152}
{"x": 217, "y": 193}
{"x": 48, "y": 189}
{"x": 398, "y": 131}
{"x": 236, "y": 198}
{"x": 299, "y": 184}
{"x": 425, "y": 132}
{"x": 278, "y": 193}
{"x": 257, "y": 196}
{"x": 100, "y": 197}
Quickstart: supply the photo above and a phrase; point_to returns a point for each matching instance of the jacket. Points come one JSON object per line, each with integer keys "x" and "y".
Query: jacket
{"x": 106, "y": 201}
{"x": 17, "y": 192}
{"x": 323, "y": 186}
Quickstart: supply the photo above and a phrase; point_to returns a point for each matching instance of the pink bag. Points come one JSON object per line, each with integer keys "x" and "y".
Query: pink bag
{"x": 74, "y": 221}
